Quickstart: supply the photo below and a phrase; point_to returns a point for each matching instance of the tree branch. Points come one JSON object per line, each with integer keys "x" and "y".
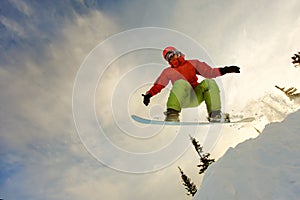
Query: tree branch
{"x": 290, "y": 92}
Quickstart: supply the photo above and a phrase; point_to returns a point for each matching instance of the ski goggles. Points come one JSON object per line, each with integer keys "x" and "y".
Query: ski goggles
{"x": 170, "y": 54}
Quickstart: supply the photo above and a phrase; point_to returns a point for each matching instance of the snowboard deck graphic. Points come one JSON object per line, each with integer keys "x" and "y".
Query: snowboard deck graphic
{"x": 190, "y": 123}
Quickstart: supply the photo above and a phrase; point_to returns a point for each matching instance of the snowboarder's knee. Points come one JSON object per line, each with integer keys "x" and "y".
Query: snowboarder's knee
{"x": 209, "y": 84}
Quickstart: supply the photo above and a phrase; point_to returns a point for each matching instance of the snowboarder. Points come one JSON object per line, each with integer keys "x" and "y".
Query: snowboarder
{"x": 186, "y": 91}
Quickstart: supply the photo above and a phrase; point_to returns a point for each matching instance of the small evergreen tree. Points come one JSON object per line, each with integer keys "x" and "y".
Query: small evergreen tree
{"x": 205, "y": 161}
{"x": 296, "y": 59}
{"x": 189, "y": 185}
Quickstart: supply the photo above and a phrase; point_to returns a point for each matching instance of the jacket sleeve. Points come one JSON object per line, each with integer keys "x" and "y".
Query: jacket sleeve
{"x": 161, "y": 82}
{"x": 205, "y": 70}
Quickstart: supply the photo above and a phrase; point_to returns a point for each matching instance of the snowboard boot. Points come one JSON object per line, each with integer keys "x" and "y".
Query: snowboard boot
{"x": 218, "y": 116}
{"x": 172, "y": 115}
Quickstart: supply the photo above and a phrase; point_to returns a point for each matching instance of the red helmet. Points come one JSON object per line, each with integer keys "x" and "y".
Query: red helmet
{"x": 167, "y": 50}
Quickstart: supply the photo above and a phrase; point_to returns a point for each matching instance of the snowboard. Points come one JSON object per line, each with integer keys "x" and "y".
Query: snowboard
{"x": 190, "y": 123}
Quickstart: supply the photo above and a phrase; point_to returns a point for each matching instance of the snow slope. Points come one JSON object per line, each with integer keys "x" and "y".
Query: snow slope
{"x": 267, "y": 167}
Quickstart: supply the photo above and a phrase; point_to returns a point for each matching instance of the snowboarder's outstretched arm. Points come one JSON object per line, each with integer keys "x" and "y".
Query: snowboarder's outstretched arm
{"x": 160, "y": 83}
{"x": 207, "y": 71}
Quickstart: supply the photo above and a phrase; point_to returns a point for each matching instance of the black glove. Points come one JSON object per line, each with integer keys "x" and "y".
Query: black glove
{"x": 229, "y": 69}
{"x": 146, "y": 98}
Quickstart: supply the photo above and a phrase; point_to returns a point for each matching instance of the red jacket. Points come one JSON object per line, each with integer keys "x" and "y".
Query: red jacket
{"x": 186, "y": 70}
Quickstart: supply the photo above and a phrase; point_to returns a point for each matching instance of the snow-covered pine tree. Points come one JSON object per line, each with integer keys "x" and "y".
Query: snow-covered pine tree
{"x": 205, "y": 161}
{"x": 189, "y": 185}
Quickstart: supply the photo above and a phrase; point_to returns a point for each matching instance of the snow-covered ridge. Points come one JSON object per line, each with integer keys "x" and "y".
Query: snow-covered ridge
{"x": 267, "y": 167}
{"x": 269, "y": 108}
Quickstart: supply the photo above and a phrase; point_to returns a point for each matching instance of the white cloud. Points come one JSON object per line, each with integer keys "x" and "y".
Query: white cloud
{"x": 22, "y": 6}
{"x": 13, "y": 26}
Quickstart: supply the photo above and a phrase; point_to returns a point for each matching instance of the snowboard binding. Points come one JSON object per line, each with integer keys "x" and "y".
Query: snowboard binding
{"x": 218, "y": 116}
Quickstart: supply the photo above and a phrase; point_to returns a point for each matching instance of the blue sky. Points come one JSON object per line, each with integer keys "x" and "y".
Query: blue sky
{"x": 44, "y": 43}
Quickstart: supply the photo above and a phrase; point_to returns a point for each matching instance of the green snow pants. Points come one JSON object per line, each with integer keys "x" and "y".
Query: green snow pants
{"x": 182, "y": 95}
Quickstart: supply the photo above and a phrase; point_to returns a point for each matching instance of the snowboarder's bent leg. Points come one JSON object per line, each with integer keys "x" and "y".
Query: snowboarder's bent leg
{"x": 179, "y": 95}
{"x": 210, "y": 92}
